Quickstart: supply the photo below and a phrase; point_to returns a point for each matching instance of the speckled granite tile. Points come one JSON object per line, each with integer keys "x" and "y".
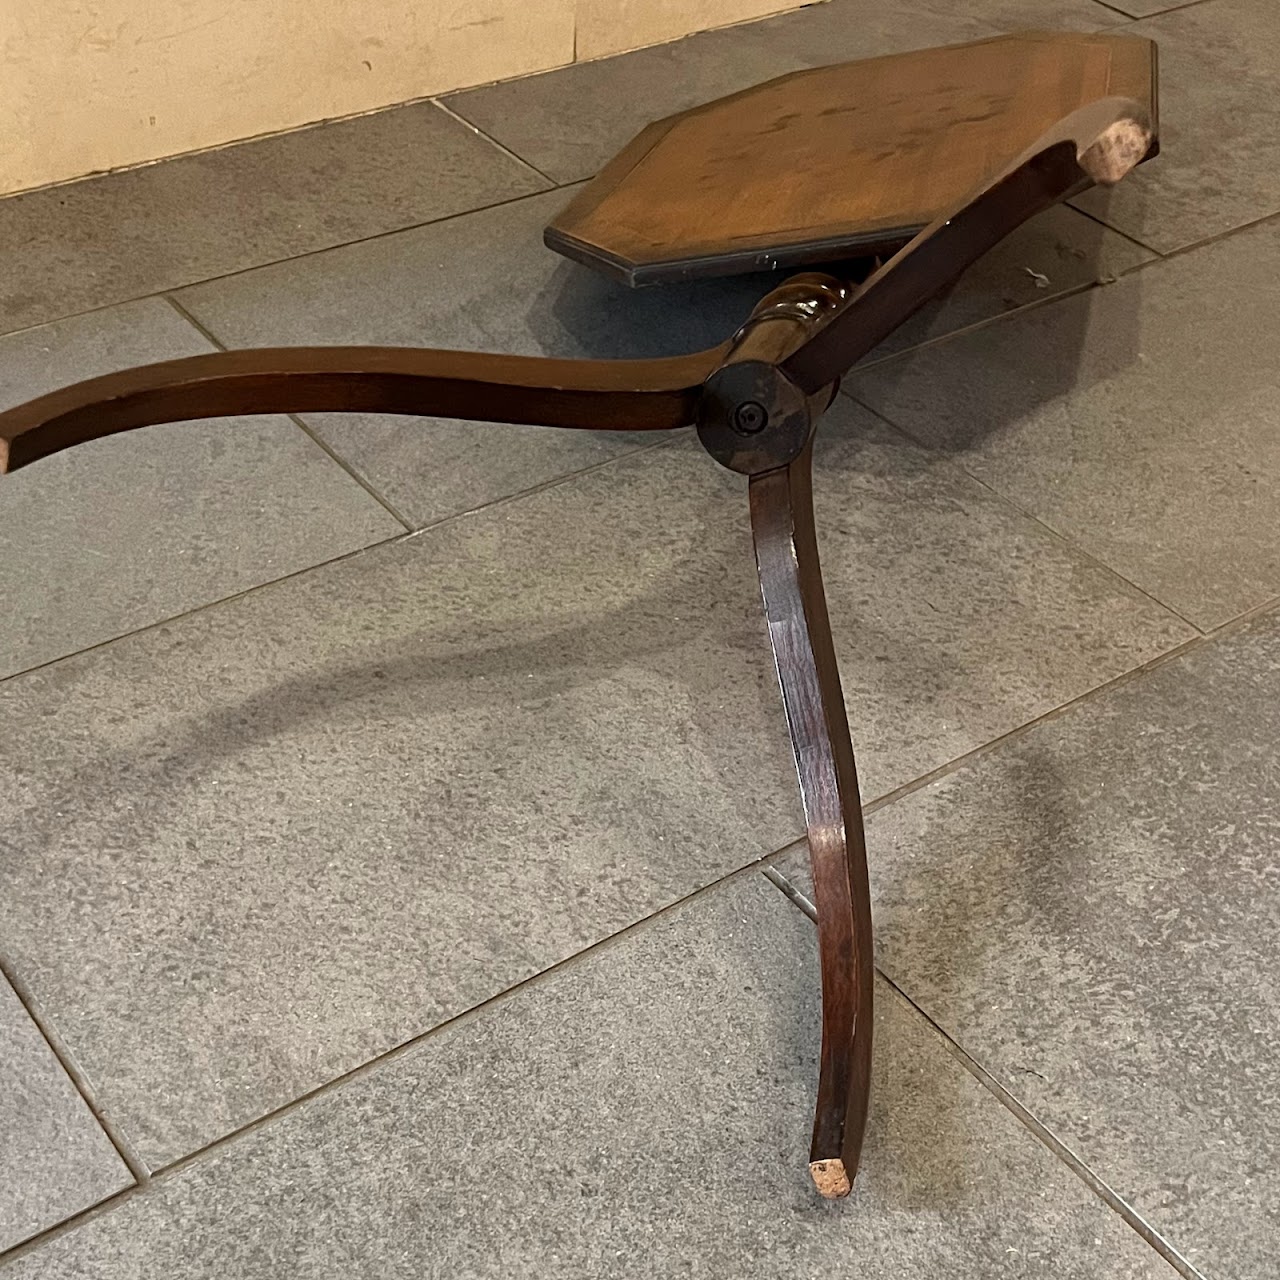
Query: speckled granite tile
{"x": 1093, "y": 911}
{"x": 1140, "y": 420}
{"x": 1219, "y": 165}
{"x": 120, "y": 533}
{"x": 1056, "y": 252}
{"x": 645, "y": 1110}
{"x": 481, "y": 282}
{"x": 54, "y": 1157}
{"x": 256, "y": 847}
{"x": 118, "y": 236}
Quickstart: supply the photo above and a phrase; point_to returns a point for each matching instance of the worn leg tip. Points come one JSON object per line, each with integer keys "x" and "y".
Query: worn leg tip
{"x": 1117, "y": 150}
{"x": 830, "y": 1178}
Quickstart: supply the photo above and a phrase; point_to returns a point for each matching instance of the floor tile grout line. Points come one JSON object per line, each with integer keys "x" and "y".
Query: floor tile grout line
{"x": 973, "y": 327}
{"x": 1192, "y": 246}
{"x": 1156, "y": 13}
{"x": 379, "y": 1061}
{"x": 1173, "y": 8}
{"x": 171, "y": 290}
{"x": 315, "y": 439}
{"x": 1159, "y": 258}
{"x": 1117, "y": 231}
{"x": 959, "y": 762}
{"x": 268, "y": 135}
{"x": 1073, "y": 546}
{"x": 208, "y": 604}
{"x": 350, "y": 468}
{"x": 667, "y": 439}
{"x": 1057, "y": 535}
{"x": 488, "y": 137}
{"x": 1055, "y": 1145}
{"x": 176, "y": 1167}
{"x": 798, "y": 897}
{"x": 1192, "y": 644}
{"x": 664, "y": 437}
{"x": 1020, "y": 1111}
{"x": 73, "y": 1220}
{"x": 1218, "y": 236}
{"x": 554, "y": 482}
{"x": 166, "y": 290}
{"x": 762, "y": 864}
{"x": 1128, "y": 17}
{"x": 789, "y": 890}
{"x": 136, "y": 1166}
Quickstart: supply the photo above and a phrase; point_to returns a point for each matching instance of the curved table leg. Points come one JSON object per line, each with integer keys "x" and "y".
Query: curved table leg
{"x": 800, "y": 633}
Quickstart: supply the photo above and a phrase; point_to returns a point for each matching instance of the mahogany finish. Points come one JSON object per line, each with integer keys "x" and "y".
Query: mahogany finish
{"x": 795, "y": 606}
{"x": 756, "y": 400}
{"x": 837, "y": 162}
{"x": 595, "y": 395}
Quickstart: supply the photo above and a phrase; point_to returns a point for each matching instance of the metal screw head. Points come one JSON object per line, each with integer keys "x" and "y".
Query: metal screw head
{"x": 749, "y": 418}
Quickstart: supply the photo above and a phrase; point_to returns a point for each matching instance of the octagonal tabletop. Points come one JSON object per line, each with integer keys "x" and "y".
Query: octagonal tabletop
{"x": 837, "y": 162}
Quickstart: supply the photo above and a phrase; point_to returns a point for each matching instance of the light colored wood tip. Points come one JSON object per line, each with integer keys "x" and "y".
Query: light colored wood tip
{"x": 4, "y": 457}
{"x": 830, "y": 1178}
{"x": 1115, "y": 151}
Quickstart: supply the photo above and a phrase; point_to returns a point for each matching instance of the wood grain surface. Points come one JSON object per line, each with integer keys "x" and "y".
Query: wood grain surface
{"x": 844, "y": 160}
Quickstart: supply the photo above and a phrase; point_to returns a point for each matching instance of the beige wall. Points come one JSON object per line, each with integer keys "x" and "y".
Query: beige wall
{"x": 87, "y": 85}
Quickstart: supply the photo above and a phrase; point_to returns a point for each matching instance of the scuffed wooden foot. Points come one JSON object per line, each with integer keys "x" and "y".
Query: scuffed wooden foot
{"x": 831, "y": 1178}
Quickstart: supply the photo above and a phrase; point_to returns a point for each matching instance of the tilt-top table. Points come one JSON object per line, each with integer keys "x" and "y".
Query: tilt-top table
{"x": 936, "y": 155}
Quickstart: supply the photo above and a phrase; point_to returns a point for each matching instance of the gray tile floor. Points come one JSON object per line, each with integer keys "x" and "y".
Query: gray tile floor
{"x": 399, "y": 838}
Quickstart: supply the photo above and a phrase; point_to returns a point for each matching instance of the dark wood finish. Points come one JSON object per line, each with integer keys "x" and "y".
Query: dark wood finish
{"x": 756, "y": 400}
{"x": 598, "y": 395}
{"x": 761, "y": 406}
{"x": 800, "y": 633}
{"x": 752, "y": 417}
{"x": 1100, "y": 142}
{"x": 837, "y": 162}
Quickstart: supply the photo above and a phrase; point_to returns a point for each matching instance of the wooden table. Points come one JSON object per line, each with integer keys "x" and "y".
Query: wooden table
{"x": 949, "y": 149}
